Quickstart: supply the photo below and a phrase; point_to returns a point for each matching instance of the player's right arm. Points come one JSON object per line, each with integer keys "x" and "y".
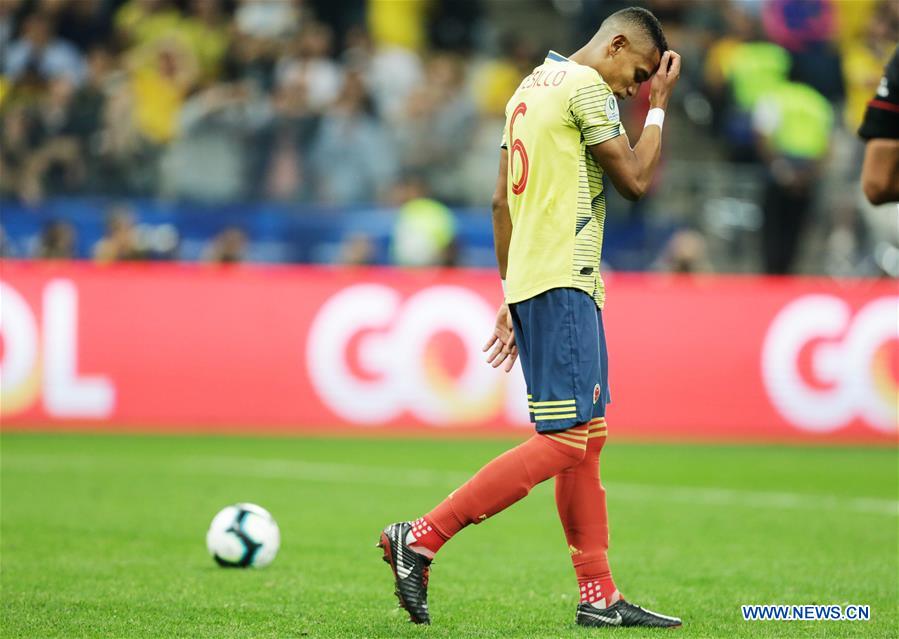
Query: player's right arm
{"x": 502, "y": 220}
{"x": 631, "y": 169}
{"x": 502, "y": 340}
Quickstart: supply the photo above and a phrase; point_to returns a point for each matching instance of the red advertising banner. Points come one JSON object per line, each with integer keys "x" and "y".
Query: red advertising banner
{"x": 306, "y": 349}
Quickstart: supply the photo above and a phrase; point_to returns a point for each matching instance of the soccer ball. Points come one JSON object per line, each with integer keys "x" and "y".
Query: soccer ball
{"x": 243, "y": 535}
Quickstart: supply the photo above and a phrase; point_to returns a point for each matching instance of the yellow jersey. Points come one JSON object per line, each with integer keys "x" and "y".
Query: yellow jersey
{"x": 555, "y": 189}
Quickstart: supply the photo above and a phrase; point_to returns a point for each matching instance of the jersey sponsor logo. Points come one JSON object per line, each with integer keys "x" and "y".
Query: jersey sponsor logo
{"x": 824, "y": 365}
{"x": 612, "y": 109}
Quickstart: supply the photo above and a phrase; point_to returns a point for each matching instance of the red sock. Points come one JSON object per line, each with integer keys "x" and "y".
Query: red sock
{"x": 424, "y": 538}
{"x": 601, "y": 592}
{"x": 500, "y": 484}
{"x": 581, "y": 501}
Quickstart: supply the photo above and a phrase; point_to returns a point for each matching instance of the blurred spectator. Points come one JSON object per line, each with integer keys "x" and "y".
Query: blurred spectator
{"x": 84, "y": 23}
{"x": 453, "y": 25}
{"x": 15, "y": 148}
{"x": 739, "y": 70}
{"x": 39, "y": 153}
{"x": 38, "y": 50}
{"x": 342, "y": 17}
{"x": 124, "y": 162}
{"x": 209, "y": 161}
{"x": 88, "y": 102}
{"x": 261, "y": 30}
{"x": 793, "y": 123}
{"x": 267, "y": 19}
{"x": 56, "y": 166}
{"x": 424, "y": 232}
{"x": 121, "y": 241}
{"x": 309, "y": 65}
{"x": 795, "y": 24}
{"x": 685, "y": 252}
{"x": 493, "y": 81}
{"x": 437, "y": 129}
{"x": 398, "y": 24}
{"x": 10, "y": 14}
{"x": 208, "y": 31}
{"x": 496, "y": 79}
{"x": 806, "y": 28}
{"x": 289, "y": 140}
{"x": 587, "y": 15}
{"x": 141, "y": 22}
{"x": 390, "y": 72}
{"x": 415, "y": 144}
{"x": 57, "y": 241}
{"x": 357, "y": 250}
{"x": 853, "y": 18}
{"x": 228, "y": 247}
{"x": 162, "y": 75}
{"x": 352, "y": 159}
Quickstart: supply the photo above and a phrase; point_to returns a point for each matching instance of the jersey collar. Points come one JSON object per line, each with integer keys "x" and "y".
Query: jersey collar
{"x": 556, "y": 57}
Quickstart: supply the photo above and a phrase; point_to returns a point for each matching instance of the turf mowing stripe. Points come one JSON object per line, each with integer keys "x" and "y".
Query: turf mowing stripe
{"x": 750, "y": 498}
{"x": 419, "y": 477}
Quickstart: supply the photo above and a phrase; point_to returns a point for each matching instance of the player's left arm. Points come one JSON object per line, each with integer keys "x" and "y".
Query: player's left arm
{"x": 502, "y": 341}
{"x": 631, "y": 170}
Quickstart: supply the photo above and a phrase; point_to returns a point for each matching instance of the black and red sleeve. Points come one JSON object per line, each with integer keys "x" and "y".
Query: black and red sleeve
{"x": 882, "y": 116}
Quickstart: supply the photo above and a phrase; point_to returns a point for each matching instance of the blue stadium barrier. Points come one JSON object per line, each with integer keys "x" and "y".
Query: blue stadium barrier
{"x": 283, "y": 232}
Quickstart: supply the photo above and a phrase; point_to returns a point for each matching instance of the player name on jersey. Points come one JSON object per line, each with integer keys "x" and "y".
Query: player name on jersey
{"x": 543, "y": 78}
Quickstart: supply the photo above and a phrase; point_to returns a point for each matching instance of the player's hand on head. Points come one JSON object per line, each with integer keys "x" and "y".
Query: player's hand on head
{"x": 502, "y": 341}
{"x": 664, "y": 80}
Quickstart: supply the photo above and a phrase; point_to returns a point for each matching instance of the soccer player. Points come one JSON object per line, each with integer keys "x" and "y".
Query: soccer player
{"x": 562, "y": 134}
{"x": 880, "y": 130}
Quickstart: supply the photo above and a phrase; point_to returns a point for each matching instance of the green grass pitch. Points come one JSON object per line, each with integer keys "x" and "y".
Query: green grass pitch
{"x": 103, "y": 536}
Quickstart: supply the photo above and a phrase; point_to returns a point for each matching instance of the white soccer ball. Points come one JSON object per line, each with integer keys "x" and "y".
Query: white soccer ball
{"x": 243, "y": 535}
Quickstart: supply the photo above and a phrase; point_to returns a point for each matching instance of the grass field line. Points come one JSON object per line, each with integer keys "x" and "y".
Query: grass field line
{"x": 352, "y": 473}
{"x": 332, "y": 472}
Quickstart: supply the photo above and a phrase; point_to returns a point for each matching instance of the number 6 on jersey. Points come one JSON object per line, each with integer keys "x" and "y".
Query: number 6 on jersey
{"x": 518, "y": 147}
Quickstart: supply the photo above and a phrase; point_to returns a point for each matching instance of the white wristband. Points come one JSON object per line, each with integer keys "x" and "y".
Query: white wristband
{"x": 503, "y": 282}
{"x": 656, "y": 116}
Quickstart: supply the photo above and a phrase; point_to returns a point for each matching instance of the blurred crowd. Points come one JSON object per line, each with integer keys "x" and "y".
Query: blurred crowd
{"x": 219, "y": 100}
{"x": 331, "y": 103}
